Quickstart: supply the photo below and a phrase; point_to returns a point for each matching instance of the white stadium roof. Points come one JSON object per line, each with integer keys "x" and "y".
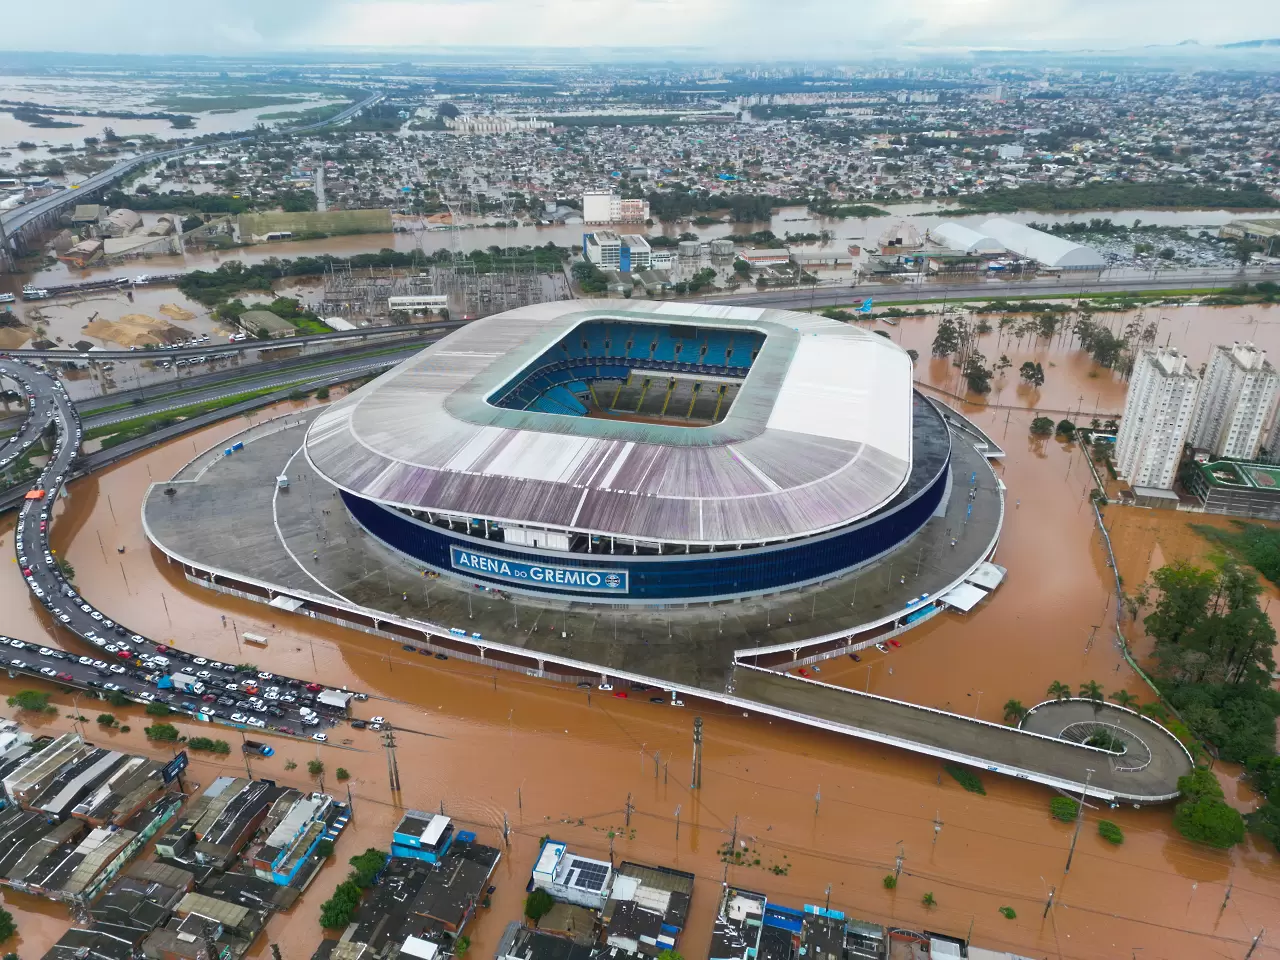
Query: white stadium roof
{"x": 1042, "y": 247}
{"x": 819, "y": 435}
{"x": 960, "y": 237}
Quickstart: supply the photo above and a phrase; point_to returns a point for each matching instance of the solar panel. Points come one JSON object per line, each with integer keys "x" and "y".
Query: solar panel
{"x": 591, "y": 876}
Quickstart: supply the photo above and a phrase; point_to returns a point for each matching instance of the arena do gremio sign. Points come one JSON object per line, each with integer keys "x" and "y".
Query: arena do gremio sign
{"x": 541, "y": 574}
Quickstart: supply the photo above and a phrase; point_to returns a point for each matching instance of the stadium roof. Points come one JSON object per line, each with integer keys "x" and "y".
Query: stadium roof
{"x": 1042, "y": 247}
{"x": 819, "y": 435}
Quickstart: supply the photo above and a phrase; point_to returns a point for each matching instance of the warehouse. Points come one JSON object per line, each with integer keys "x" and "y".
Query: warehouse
{"x": 1044, "y": 248}
{"x": 957, "y": 236}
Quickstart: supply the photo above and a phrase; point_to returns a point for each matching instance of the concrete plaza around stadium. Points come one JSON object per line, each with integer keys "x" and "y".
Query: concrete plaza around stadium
{"x": 232, "y": 520}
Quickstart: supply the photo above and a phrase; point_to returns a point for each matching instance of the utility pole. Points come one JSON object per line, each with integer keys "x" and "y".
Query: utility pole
{"x": 733, "y": 840}
{"x": 897, "y": 864}
{"x": 828, "y": 907}
{"x": 1254, "y": 946}
{"x": 937, "y": 826}
{"x": 506, "y": 829}
{"x": 656, "y": 758}
{"x": 696, "y": 780}
{"x": 1048, "y": 903}
{"x": 393, "y": 769}
{"x": 1224, "y": 900}
{"x": 627, "y": 809}
{"x": 678, "y": 806}
{"x": 817, "y": 800}
{"x": 1079, "y": 820}
{"x": 275, "y": 951}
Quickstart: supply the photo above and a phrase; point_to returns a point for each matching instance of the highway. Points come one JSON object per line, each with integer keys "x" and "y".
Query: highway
{"x": 28, "y": 431}
{"x": 21, "y": 216}
{"x": 115, "y": 659}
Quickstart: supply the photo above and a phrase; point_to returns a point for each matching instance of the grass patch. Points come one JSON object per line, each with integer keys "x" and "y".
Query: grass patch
{"x": 1256, "y": 545}
{"x": 113, "y": 434}
{"x": 965, "y": 777}
{"x": 1064, "y": 808}
{"x": 1109, "y": 832}
{"x": 227, "y": 104}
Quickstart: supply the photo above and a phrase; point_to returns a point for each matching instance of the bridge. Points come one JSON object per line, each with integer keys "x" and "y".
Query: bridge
{"x": 19, "y": 225}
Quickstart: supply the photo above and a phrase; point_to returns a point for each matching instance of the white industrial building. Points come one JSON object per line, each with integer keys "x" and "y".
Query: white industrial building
{"x": 1236, "y": 397}
{"x": 1157, "y": 416}
{"x": 571, "y": 878}
{"x": 604, "y": 249}
{"x": 603, "y": 206}
{"x": 1044, "y": 248}
{"x": 959, "y": 237}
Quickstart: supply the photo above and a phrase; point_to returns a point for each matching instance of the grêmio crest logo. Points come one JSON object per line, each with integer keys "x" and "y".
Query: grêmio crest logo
{"x": 538, "y": 574}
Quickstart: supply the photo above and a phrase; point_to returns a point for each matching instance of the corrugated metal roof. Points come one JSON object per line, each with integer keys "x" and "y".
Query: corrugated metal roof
{"x": 818, "y": 436}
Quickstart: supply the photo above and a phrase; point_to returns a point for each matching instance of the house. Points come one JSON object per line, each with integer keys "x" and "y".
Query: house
{"x": 422, "y": 836}
{"x": 256, "y": 321}
{"x": 571, "y": 878}
{"x": 647, "y": 908}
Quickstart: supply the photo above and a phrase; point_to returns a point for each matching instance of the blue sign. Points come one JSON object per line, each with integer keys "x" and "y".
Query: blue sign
{"x": 174, "y": 767}
{"x": 538, "y": 574}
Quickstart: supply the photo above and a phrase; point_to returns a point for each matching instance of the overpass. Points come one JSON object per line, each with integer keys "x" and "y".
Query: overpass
{"x": 17, "y": 226}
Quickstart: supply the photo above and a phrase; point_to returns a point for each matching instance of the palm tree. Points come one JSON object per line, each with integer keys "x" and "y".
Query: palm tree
{"x": 928, "y": 900}
{"x": 1059, "y": 690}
{"x": 1092, "y": 691}
{"x": 1014, "y": 711}
{"x": 1124, "y": 698}
{"x": 1155, "y": 709}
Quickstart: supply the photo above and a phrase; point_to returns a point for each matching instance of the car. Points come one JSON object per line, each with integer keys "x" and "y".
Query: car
{"x": 108, "y": 623}
{"x": 112, "y": 686}
{"x": 319, "y": 737}
{"x": 358, "y": 724}
{"x": 266, "y": 676}
{"x": 163, "y": 661}
{"x": 99, "y": 665}
{"x": 855, "y": 658}
{"x": 200, "y": 660}
{"x": 111, "y": 648}
{"x": 257, "y": 722}
{"x": 239, "y": 718}
{"x": 208, "y": 698}
{"x": 136, "y": 638}
{"x": 606, "y": 687}
{"x": 85, "y": 661}
{"x": 357, "y": 696}
{"x": 124, "y": 654}
{"x": 288, "y": 698}
{"x": 803, "y": 672}
{"x": 49, "y": 671}
{"x": 96, "y": 615}
{"x": 882, "y": 648}
{"x": 275, "y": 712}
{"x": 26, "y": 571}
{"x": 312, "y": 721}
{"x": 17, "y": 644}
{"x": 377, "y": 719}
{"x": 657, "y": 699}
{"x": 160, "y": 647}
{"x": 894, "y": 643}
{"x": 271, "y": 695}
{"x": 314, "y": 687}
{"x": 120, "y": 631}
{"x": 442, "y": 656}
{"x": 65, "y": 618}
{"x": 620, "y": 694}
{"x": 225, "y": 702}
{"x": 233, "y": 687}
{"x": 66, "y": 677}
{"x": 204, "y": 675}
{"x": 86, "y": 608}
{"x": 46, "y": 652}
{"x": 117, "y": 669}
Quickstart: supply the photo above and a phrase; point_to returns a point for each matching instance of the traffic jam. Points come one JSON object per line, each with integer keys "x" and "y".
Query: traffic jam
{"x": 125, "y": 663}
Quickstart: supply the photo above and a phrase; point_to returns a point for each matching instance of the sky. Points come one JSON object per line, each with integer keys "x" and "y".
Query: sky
{"x": 726, "y": 29}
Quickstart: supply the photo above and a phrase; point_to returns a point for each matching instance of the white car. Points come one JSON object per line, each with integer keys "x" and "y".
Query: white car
{"x": 85, "y": 661}
{"x": 320, "y": 737}
{"x": 239, "y": 718}
{"x": 257, "y": 722}
{"x": 146, "y": 695}
{"x": 117, "y": 669}
{"x": 378, "y": 720}
{"x": 49, "y": 671}
{"x": 17, "y": 644}
{"x": 200, "y": 660}
{"x": 96, "y": 615}
{"x": 65, "y": 618}
{"x": 606, "y": 687}
{"x": 266, "y": 676}
{"x": 99, "y": 664}
{"x": 311, "y": 721}
{"x": 45, "y": 652}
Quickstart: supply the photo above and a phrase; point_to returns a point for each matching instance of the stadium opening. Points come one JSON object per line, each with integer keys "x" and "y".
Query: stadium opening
{"x": 650, "y": 454}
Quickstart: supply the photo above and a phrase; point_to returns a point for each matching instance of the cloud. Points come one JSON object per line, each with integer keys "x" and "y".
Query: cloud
{"x": 841, "y": 29}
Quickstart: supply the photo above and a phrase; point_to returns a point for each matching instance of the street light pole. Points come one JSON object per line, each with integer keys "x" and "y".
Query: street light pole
{"x": 1079, "y": 821}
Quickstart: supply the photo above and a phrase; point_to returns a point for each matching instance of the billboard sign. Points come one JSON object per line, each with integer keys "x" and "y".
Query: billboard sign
{"x": 174, "y": 767}
{"x": 538, "y": 574}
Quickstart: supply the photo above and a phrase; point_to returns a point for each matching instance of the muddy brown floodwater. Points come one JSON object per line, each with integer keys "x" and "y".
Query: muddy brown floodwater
{"x": 814, "y": 808}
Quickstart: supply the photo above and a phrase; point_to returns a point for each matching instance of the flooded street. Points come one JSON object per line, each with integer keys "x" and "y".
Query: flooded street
{"x": 814, "y": 808}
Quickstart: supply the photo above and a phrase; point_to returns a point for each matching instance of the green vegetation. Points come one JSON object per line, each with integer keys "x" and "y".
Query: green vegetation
{"x": 291, "y": 764}
{"x": 890, "y": 881}
{"x": 1014, "y": 711}
{"x": 122, "y": 431}
{"x": 1008, "y": 913}
{"x": 461, "y": 946}
{"x": 1109, "y": 832}
{"x": 119, "y": 698}
{"x": 1253, "y": 543}
{"x": 125, "y": 728}
{"x": 107, "y": 719}
{"x": 324, "y": 849}
{"x": 590, "y": 277}
{"x": 185, "y": 103}
{"x": 928, "y": 899}
{"x": 1203, "y": 816}
{"x": 337, "y": 910}
{"x": 161, "y": 731}
{"x": 1064, "y": 808}
{"x": 213, "y": 746}
{"x": 537, "y": 905}
{"x": 1114, "y": 196}
{"x": 342, "y": 773}
{"x": 1042, "y": 427}
{"x": 158, "y": 709}
{"x": 7, "y": 926}
{"x": 315, "y": 767}
{"x": 965, "y": 777}
{"x": 31, "y": 700}
{"x": 315, "y": 224}
{"x": 1058, "y": 690}
{"x": 65, "y": 568}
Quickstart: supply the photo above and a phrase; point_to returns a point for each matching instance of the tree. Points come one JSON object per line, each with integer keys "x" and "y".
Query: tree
{"x": 1042, "y": 427}
{"x": 161, "y": 731}
{"x": 1203, "y": 816}
{"x": 1014, "y": 711}
{"x": 368, "y": 865}
{"x": 1124, "y": 698}
{"x": 7, "y": 925}
{"x": 324, "y": 849}
{"x": 1064, "y": 808}
{"x": 1008, "y": 913}
{"x": 119, "y": 698}
{"x": 890, "y": 881}
{"x": 322, "y": 393}
{"x": 977, "y": 374}
{"x": 537, "y": 905}
{"x": 107, "y": 719}
{"x": 1065, "y": 429}
{"x": 1032, "y": 374}
{"x": 670, "y": 955}
{"x": 461, "y": 946}
{"x": 315, "y": 767}
{"x": 336, "y": 912}
{"x": 928, "y": 899}
{"x": 342, "y": 773}
{"x": 1109, "y": 832}
{"x": 1092, "y": 691}
{"x": 158, "y": 709}
{"x": 32, "y": 700}
{"x": 1059, "y": 690}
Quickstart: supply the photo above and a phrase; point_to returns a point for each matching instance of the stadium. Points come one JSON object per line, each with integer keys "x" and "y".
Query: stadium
{"x": 647, "y": 454}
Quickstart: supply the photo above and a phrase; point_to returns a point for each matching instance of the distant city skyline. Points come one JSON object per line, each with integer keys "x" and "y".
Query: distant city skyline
{"x": 845, "y": 30}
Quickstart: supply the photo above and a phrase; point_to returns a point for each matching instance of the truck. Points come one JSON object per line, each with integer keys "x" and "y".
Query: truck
{"x": 261, "y": 749}
{"x": 186, "y": 683}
